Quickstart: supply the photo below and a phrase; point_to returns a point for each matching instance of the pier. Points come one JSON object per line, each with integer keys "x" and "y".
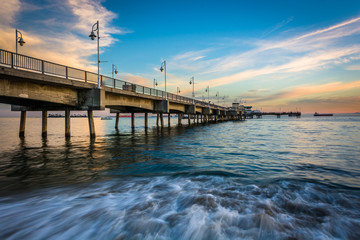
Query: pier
{"x": 278, "y": 114}
{"x": 31, "y": 84}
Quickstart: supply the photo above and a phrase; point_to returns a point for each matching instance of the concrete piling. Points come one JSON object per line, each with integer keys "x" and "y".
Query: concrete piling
{"x": 169, "y": 120}
{"x": 22, "y": 124}
{"x": 162, "y": 120}
{"x": 117, "y": 120}
{"x": 146, "y": 120}
{"x": 67, "y": 123}
{"x": 179, "y": 119}
{"x": 132, "y": 120}
{"x": 91, "y": 123}
{"x": 44, "y": 124}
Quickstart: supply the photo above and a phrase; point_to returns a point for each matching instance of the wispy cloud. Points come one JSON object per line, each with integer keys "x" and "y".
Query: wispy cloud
{"x": 64, "y": 26}
{"x": 319, "y": 49}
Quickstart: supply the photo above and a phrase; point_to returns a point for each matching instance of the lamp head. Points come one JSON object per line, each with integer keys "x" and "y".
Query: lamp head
{"x": 92, "y": 35}
{"x": 116, "y": 71}
{"x": 21, "y": 41}
{"x": 161, "y": 69}
{"x": 190, "y": 82}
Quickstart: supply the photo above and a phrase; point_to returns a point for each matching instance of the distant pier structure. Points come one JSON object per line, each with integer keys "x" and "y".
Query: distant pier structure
{"x": 278, "y": 114}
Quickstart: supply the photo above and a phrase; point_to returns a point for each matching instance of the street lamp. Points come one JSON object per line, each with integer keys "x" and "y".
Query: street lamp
{"x": 93, "y": 36}
{"x": 218, "y": 96}
{"x": 155, "y": 83}
{"x": 208, "y": 91}
{"x": 20, "y": 40}
{"x": 114, "y": 70}
{"x": 192, "y": 81}
{"x": 163, "y": 68}
{"x": 177, "y": 90}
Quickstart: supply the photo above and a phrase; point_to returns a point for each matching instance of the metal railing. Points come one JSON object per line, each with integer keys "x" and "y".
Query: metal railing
{"x": 19, "y": 61}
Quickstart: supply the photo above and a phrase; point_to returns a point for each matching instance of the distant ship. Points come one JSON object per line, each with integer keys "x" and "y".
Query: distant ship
{"x": 323, "y": 114}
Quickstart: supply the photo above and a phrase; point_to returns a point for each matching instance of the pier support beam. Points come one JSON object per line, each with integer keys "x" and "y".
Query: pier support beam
{"x": 157, "y": 120}
{"x": 132, "y": 121}
{"x": 179, "y": 119}
{"x": 197, "y": 119}
{"x": 91, "y": 123}
{"x": 116, "y": 120}
{"x": 44, "y": 124}
{"x": 22, "y": 124}
{"x": 162, "y": 120}
{"x": 67, "y": 123}
{"x": 189, "y": 121}
{"x": 169, "y": 120}
{"x": 146, "y": 120}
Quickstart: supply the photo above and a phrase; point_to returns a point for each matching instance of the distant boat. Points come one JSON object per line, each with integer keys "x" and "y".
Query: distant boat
{"x": 106, "y": 118}
{"x": 323, "y": 114}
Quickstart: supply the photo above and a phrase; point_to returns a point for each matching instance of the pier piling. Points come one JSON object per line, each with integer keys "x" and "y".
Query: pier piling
{"x": 146, "y": 120}
{"x": 117, "y": 120}
{"x": 44, "y": 124}
{"x": 67, "y": 123}
{"x": 22, "y": 124}
{"x": 92, "y": 125}
{"x": 132, "y": 121}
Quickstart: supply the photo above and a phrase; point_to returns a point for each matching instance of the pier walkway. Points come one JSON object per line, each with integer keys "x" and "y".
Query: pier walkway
{"x": 32, "y": 84}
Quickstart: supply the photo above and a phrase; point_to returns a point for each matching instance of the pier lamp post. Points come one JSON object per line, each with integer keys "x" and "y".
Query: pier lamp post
{"x": 155, "y": 83}
{"x": 114, "y": 70}
{"x": 177, "y": 90}
{"x": 208, "y": 91}
{"x": 20, "y": 40}
{"x": 192, "y": 81}
{"x": 93, "y": 36}
{"x": 163, "y": 68}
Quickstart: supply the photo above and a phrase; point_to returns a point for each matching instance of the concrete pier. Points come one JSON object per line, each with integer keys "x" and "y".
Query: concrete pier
{"x": 67, "y": 123}
{"x": 179, "y": 119}
{"x": 189, "y": 120}
{"x": 157, "y": 119}
{"x": 91, "y": 124}
{"x": 44, "y": 124}
{"x": 22, "y": 124}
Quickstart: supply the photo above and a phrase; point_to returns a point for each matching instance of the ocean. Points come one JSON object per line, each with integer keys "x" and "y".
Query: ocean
{"x": 269, "y": 178}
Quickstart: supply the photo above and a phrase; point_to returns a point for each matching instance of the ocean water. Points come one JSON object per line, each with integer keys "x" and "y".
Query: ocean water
{"x": 269, "y": 178}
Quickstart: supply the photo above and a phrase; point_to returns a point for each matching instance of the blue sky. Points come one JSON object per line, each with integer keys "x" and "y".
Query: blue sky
{"x": 271, "y": 54}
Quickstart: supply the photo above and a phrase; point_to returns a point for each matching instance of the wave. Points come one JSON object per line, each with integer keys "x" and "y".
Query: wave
{"x": 196, "y": 206}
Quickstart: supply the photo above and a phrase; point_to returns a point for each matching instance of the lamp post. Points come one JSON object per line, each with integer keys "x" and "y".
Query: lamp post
{"x": 192, "y": 81}
{"x": 208, "y": 91}
{"x": 93, "y": 36}
{"x": 19, "y": 40}
{"x": 155, "y": 83}
{"x": 163, "y": 68}
{"x": 114, "y": 70}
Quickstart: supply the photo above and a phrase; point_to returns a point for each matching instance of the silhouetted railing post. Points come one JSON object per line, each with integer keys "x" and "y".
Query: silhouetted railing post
{"x": 42, "y": 67}
{"x": 12, "y": 60}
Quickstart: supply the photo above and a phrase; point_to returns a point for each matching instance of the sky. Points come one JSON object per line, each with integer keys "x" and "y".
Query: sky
{"x": 272, "y": 55}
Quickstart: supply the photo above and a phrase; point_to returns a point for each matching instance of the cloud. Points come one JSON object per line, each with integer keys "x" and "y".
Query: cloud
{"x": 61, "y": 32}
{"x": 278, "y": 26}
{"x": 306, "y": 90}
{"x": 353, "y": 68}
{"x": 316, "y": 50}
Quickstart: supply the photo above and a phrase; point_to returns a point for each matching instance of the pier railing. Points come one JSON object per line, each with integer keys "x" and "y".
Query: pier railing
{"x": 23, "y": 62}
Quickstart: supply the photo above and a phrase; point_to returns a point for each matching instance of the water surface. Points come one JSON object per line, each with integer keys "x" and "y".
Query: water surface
{"x": 288, "y": 178}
